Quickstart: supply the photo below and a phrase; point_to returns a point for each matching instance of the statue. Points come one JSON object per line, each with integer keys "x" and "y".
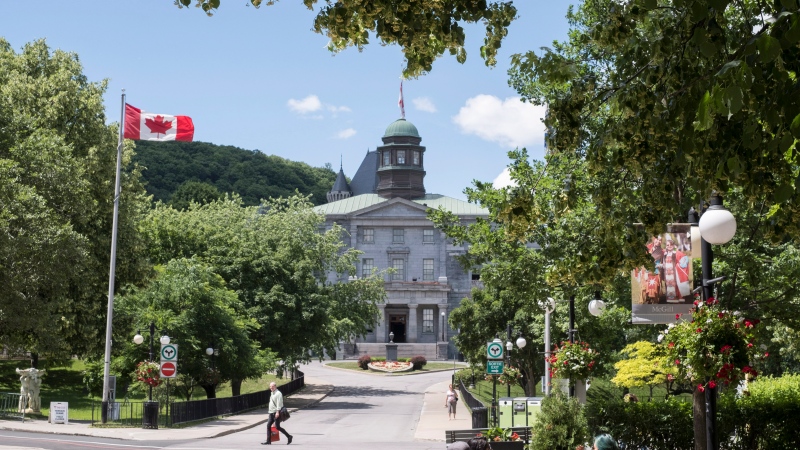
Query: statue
{"x": 31, "y": 380}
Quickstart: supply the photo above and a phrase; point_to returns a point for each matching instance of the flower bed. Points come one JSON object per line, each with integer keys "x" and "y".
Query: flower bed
{"x": 390, "y": 366}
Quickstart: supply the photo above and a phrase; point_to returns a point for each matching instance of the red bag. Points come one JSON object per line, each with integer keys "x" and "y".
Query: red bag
{"x": 274, "y": 434}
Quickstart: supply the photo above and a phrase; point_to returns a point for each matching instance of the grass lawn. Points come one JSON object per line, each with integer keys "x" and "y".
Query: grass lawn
{"x": 65, "y": 384}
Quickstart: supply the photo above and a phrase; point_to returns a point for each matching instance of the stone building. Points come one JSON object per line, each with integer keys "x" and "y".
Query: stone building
{"x": 384, "y": 210}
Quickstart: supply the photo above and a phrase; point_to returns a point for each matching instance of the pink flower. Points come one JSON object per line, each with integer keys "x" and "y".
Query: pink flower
{"x": 701, "y": 388}
{"x": 677, "y": 316}
{"x": 678, "y": 362}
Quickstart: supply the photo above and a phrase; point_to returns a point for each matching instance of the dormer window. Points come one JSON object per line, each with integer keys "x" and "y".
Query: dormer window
{"x": 401, "y": 157}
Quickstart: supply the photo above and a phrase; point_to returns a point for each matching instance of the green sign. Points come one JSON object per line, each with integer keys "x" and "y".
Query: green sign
{"x": 494, "y": 367}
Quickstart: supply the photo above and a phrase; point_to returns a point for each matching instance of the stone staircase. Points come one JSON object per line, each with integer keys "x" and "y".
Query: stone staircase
{"x": 431, "y": 352}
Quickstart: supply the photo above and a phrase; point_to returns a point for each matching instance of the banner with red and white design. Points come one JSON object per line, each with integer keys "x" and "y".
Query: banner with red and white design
{"x": 145, "y": 126}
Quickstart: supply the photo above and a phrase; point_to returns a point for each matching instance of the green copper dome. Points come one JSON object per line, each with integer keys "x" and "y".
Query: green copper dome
{"x": 401, "y": 127}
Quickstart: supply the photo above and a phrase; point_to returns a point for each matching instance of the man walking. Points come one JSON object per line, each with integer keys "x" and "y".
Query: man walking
{"x": 275, "y": 405}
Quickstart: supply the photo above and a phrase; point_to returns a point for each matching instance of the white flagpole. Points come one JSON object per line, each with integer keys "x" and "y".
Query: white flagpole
{"x": 110, "y": 313}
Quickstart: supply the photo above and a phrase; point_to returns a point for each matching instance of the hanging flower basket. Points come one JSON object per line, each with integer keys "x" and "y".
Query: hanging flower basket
{"x": 714, "y": 346}
{"x": 148, "y": 373}
{"x": 574, "y": 361}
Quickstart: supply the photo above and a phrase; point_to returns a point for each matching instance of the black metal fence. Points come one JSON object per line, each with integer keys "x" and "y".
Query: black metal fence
{"x": 480, "y": 413}
{"x": 173, "y": 413}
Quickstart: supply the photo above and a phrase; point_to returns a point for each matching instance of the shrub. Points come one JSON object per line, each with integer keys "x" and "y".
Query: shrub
{"x": 766, "y": 418}
{"x": 363, "y": 362}
{"x": 561, "y": 425}
{"x": 656, "y": 425}
{"x": 419, "y": 362}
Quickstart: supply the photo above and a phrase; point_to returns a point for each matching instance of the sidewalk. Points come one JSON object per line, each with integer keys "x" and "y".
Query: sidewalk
{"x": 432, "y": 423}
{"x": 314, "y": 391}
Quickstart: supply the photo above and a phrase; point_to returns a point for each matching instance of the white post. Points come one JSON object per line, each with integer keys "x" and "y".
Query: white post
{"x": 547, "y": 353}
{"x": 110, "y": 312}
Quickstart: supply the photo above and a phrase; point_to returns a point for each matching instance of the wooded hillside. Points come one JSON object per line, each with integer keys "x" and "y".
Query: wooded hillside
{"x": 250, "y": 173}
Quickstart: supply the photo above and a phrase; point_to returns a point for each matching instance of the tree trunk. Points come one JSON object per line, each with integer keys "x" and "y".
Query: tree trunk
{"x": 699, "y": 409}
{"x": 236, "y": 387}
{"x": 211, "y": 390}
{"x": 34, "y": 360}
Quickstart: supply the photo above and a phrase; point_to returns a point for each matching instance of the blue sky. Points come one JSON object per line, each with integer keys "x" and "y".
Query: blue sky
{"x": 260, "y": 79}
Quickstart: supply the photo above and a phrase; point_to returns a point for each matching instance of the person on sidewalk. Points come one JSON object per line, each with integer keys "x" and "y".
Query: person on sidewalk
{"x": 275, "y": 405}
{"x": 450, "y": 402}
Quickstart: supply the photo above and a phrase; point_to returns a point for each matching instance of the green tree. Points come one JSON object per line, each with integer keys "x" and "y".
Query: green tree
{"x": 424, "y": 29}
{"x": 192, "y": 304}
{"x": 645, "y": 365}
{"x": 57, "y": 168}
{"x": 276, "y": 258}
{"x": 193, "y": 191}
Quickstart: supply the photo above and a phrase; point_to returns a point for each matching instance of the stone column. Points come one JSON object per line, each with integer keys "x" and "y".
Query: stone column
{"x": 381, "y": 335}
{"x": 442, "y": 258}
{"x": 413, "y": 333}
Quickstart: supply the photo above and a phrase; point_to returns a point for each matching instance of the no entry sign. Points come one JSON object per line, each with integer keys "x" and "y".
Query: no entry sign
{"x": 169, "y": 370}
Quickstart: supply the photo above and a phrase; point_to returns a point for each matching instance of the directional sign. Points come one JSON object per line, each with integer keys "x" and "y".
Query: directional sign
{"x": 494, "y": 350}
{"x": 494, "y": 367}
{"x": 169, "y": 352}
{"x": 169, "y": 369}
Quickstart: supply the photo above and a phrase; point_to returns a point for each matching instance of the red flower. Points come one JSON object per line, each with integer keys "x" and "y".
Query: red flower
{"x": 701, "y": 388}
{"x": 699, "y": 330}
{"x": 725, "y": 349}
{"x": 749, "y": 344}
{"x": 720, "y": 315}
{"x": 710, "y": 301}
{"x": 677, "y": 316}
{"x": 671, "y": 344}
{"x": 712, "y": 384}
{"x": 766, "y": 354}
{"x": 678, "y": 362}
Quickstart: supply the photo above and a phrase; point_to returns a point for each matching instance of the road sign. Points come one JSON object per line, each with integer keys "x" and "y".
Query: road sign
{"x": 169, "y": 369}
{"x": 494, "y": 350}
{"x": 169, "y": 352}
{"x": 494, "y": 367}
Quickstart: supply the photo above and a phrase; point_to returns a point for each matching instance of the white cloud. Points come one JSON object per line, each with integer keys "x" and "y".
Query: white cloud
{"x": 509, "y": 122}
{"x": 346, "y": 133}
{"x": 424, "y": 104}
{"x": 503, "y": 180}
{"x": 337, "y": 109}
{"x": 306, "y": 105}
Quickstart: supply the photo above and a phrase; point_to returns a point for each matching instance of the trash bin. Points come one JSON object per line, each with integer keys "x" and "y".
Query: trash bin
{"x": 480, "y": 417}
{"x": 505, "y": 414}
{"x": 534, "y": 407}
{"x": 150, "y": 415}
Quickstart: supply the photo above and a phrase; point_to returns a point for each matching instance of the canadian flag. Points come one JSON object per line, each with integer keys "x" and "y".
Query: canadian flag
{"x": 145, "y": 126}
{"x": 400, "y": 102}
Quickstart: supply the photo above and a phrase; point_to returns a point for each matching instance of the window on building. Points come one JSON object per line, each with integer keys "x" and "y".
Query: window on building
{"x": 386, "y": 158}
{"x": 401, "y": 157}
{"x": 427, "y": 320}
{"x": 416, "y": 158}
{"x": 398, "y": 236}
{"x": 427, "y": 235}
{"x": 367, "y": 266}
{"x": 369, "y": 236}
{"x": 427, "y": 269}
{"x": 399, "y": 269}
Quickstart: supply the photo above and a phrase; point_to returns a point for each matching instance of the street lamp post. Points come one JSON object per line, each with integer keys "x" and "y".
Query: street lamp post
{"x": 521, "y": 342}
{"x": 717, "y": 226}
{"x": 138, "y": 339}
{"x": 549, "y": 306}
{"x": 442, "y": 326}
{"x": 150, "y": 411}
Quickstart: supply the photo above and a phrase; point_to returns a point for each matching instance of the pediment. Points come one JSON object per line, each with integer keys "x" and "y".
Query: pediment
{"x": 396, "y": 207}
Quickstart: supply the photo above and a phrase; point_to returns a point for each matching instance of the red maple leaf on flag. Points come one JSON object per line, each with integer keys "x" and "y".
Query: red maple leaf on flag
{"x": 158, "y": 125}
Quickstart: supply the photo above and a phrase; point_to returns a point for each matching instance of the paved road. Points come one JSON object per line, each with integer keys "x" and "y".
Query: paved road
{"x": 362, "y": 411}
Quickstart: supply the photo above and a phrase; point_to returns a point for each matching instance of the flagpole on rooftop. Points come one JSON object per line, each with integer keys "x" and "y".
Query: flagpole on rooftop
{"x": 110, "y": 313}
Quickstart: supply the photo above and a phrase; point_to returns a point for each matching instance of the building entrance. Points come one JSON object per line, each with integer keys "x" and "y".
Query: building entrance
{"x": 397, "y": 325}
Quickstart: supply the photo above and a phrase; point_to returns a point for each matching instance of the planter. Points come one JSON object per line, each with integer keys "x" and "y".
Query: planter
{"x": 508, "y": 445}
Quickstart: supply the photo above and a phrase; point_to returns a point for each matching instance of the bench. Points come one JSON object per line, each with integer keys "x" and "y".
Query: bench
{"x": 451, "y": 436}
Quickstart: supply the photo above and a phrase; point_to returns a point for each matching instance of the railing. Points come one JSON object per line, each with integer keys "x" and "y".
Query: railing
{"x": 479, "y": 411}
{"x": 9, "y": 406}
{"x": 173, "y": 413}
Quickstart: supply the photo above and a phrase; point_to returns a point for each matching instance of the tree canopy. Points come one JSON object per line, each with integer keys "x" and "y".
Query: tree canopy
{"x": 424, "y": 29}
{"x": 57, "y": 163}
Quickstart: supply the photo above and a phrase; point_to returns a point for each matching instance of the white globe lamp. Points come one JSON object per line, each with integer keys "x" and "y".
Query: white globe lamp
{"x": 717, "y": 224}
